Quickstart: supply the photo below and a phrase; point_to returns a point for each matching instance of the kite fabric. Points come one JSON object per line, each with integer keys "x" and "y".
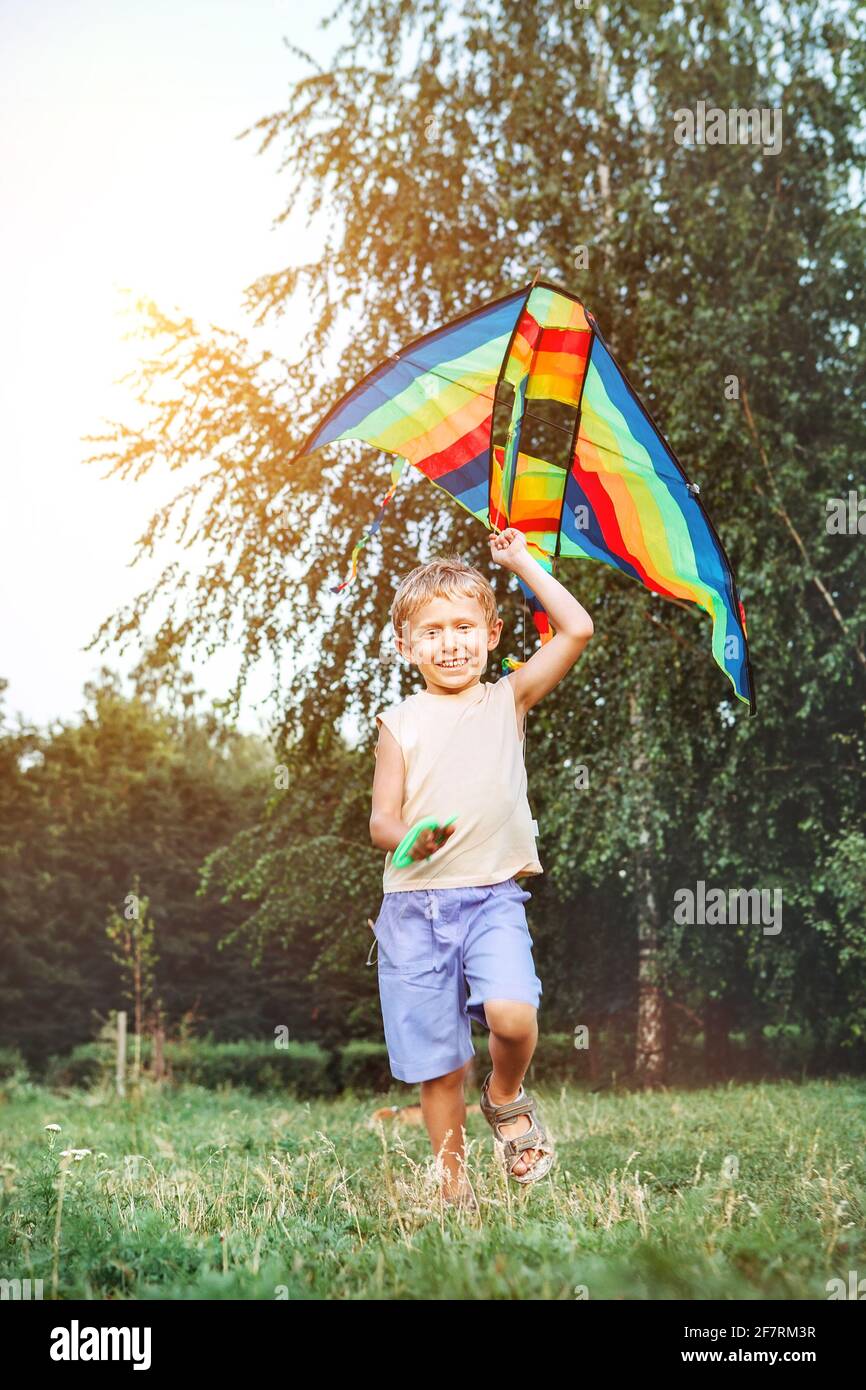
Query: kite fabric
{"x": 520, "y": 412}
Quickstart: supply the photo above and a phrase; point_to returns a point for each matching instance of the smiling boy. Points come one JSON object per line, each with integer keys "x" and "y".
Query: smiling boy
{"x": 452, "y": 935}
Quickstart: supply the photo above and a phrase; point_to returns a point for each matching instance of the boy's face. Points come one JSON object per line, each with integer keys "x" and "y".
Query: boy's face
{"x": 448, "y": 639}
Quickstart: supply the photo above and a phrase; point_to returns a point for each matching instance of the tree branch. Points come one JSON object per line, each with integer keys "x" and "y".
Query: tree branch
{"x": 780, "y": 509}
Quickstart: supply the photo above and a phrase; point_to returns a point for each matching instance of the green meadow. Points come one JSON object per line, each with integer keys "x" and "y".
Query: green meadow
{"x": 733, "y": 1192}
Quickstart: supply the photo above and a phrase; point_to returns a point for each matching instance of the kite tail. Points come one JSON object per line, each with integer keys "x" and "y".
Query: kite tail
{"x": 396, "y": 474}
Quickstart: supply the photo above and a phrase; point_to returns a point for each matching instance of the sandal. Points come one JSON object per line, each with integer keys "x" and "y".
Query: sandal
{"x": 514, "y": 1146}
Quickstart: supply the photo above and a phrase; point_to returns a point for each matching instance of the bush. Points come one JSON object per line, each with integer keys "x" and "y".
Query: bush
{"x": 86, "y": 1065}
{"x": 788, "y": 1047}
{"x": 302, "y": 1069}
{"x": 556, "y": 1059}
{"x": 364, "y": 1066}
{"x": 13, "y": 1067}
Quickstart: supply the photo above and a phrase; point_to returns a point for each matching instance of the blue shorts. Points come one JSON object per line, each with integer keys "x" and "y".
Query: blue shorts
{"x": 442, "y": 952}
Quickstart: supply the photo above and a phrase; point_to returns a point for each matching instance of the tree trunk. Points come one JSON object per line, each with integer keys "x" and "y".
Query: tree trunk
{"x": 651, "y": 1044}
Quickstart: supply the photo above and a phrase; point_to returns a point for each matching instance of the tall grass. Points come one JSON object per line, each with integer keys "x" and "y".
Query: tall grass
{"x": 734, "y": 1192}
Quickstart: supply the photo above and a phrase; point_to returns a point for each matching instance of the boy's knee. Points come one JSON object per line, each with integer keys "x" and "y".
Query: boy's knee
{"x": 510, "y": 1018}
{"x": 452, "y": 1080}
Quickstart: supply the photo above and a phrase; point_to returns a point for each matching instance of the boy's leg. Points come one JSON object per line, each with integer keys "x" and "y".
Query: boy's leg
{"x": 513, "y": 1037}
{"x": 443, "y": 1105}
{"x": 504, "y": 997}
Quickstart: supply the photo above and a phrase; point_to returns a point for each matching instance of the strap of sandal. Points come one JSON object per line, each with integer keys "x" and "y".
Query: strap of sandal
{"x": 513, "y": 1108}
{"x": 533, "y": 1139}
{"x": 510, "y": 1109}
{"x": 519, "y": 1143}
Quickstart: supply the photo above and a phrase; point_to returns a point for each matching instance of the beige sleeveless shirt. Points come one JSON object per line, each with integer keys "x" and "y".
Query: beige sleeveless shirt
{"x": 463, "y": 757}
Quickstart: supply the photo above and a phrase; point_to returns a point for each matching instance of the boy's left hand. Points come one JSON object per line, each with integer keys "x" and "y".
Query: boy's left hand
{"x": 508, "y": 547}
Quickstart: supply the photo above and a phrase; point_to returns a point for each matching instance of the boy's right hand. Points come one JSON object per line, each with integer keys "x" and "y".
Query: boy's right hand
{"x": 430, "y": 840}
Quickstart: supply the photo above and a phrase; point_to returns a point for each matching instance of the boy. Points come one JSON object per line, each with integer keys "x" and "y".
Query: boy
{"x": 454, "y": 917}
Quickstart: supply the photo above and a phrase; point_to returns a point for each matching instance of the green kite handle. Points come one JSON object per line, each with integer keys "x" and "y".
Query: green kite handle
{"x": 403, "y": 853}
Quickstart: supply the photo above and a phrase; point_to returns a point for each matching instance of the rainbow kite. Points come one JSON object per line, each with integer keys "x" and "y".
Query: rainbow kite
{"x": 521, "y": 413}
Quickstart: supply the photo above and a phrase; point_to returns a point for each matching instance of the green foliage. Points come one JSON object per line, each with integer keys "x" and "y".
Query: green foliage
{"x": 298, "y": 1069}
{"x": 364, "y": 1067}
{"x": 13, "y": 1065}
{"x": 85, "y": 807}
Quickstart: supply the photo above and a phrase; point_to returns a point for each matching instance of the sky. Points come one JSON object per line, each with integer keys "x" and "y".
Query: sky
{"x": 121, "y": 171}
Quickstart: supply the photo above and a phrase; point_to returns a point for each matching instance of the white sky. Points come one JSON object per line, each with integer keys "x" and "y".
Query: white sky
{"x": 120, "y": 168}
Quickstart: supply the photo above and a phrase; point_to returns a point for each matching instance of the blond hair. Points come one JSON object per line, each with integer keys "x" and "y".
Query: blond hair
{"x": 445, "y": 577}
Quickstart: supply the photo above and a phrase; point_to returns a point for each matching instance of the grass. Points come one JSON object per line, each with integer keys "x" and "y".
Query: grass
{"x": 733, "y": 1192}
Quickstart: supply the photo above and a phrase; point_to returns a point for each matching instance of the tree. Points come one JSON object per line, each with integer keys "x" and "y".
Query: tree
{"x": 133, "y": 934}
{"x": 457, "y": 149}
{"x": 126, "y": 790}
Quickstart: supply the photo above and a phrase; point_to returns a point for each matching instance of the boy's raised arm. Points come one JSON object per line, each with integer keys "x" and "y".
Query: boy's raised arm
{"x": 572, "y": 625}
